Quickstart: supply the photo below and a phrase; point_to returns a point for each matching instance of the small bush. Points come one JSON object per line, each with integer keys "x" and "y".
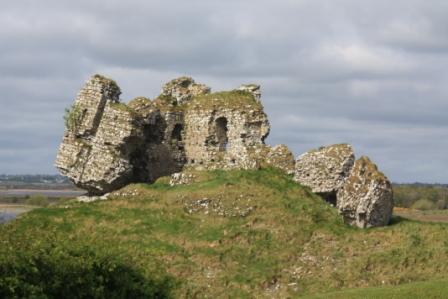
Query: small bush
{"x": 61, "y": 273}
{"x": 441, "y": 204}
{"x": 37, "y": 200}
{"x": 72, "y": 118}
{"x": 424, "y": 204}
{"x": 405, "y": 195}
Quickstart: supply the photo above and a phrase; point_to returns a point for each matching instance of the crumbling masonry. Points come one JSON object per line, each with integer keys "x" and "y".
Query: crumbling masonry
{"x": 108, "y": 144}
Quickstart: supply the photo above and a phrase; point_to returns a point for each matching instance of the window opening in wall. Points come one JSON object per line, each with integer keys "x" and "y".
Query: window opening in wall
{"x": 176, "y": 135}
{"x": 221, "y": 133}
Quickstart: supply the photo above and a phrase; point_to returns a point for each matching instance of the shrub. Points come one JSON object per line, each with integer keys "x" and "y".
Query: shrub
{"x": 405, "y": 195}
{"x": 61, "y": 273}
{"x": 441, "y": 204}
{"x": 37, "y": 200}
{"x": 424, "y": 204}
{"x": 72, "y": 117}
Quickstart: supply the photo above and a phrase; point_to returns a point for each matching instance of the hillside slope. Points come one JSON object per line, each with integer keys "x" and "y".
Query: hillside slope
{"x": 236, "y": 234}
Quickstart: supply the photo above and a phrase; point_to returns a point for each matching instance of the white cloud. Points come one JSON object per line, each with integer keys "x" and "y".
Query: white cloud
{"x": 363, "y": 59}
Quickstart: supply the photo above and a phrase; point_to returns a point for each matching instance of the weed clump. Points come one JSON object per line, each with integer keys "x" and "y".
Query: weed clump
{"x": 72, "y": 117}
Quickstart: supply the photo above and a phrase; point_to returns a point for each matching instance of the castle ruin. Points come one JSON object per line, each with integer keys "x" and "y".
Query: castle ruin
{"x": 108, "y": 144}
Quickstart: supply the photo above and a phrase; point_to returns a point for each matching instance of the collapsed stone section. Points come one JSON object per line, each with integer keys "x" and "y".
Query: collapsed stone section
{"x": 183, "y": 89}
{"x": 113, "y": 144}
{"x": 90, "y": 104}
{"x": 108, "y": 144}
{"x": 324, "y": 170}
{"x": 362, "y": 194}
{"x": 366, "y": 198}
{"x": 92, "y": 153}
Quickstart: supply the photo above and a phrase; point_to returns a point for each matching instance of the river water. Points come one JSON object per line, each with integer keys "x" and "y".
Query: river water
{"x": 10, "y": 212}
{"x": 49, "y": 193}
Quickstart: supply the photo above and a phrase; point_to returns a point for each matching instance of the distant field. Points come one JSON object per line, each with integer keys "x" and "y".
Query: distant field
{"x": 427, "y": 216}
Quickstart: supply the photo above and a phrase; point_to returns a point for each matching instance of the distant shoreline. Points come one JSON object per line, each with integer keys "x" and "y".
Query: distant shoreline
{"x": 50, "y": 193}
{"x": 9, "y": 212}
{"x": 42, "y": 190}
{"x": 16, "y": 206}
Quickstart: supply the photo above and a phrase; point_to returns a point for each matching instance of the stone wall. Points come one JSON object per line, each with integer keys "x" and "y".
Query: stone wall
{"x": 91, "y": 102}
{"x": 222, "y": 137}
{"x": 186, "y": 126}
{"x": 108, "y": 144}
{"x": 90, "y": 154}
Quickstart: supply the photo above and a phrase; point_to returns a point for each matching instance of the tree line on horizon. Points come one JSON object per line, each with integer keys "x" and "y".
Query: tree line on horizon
{"x": 421, "y": 196}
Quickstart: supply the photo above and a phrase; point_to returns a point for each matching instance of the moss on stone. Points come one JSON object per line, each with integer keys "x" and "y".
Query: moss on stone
{"x": 363, "y": 173}
{"x": 235, "y": 99}
{"x": 370, "y": 169}
{"x": 121, "y": 107}
{"x": 105, "y": 81}
{"x": 166, "y": 103}
{"x": 183, "y": 81}
{"x": 139, "y": 102}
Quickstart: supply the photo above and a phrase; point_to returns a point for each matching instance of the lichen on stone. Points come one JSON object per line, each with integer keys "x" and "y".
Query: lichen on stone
{"x": 144, "y": 140}
{"x": 325, "y": 169}
{"x": 109, "y": 144}
{"x": 362, "y": 194}
{"x": 182, "y": 89}
{"x": 106, "y": 81}
{"x": 366, "y": 198}
{"x": 234, "y": 99}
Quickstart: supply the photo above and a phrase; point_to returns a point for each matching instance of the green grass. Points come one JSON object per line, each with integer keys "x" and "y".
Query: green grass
{"x": 239, "y": 234}
{"x": 235, "y": 99}
{"x": 418, "y": 290}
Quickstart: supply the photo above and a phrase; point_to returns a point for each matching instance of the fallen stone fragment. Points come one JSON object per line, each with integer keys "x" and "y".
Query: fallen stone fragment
{"x": 324, "y": 170}
{"x": 366, "y": 198}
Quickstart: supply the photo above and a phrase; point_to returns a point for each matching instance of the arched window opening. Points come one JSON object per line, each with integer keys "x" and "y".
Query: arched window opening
{"x": 221, "y": 133}
{"x": 176, "y": 135}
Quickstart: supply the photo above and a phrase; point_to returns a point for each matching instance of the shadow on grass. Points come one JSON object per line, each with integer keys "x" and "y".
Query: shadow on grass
{"x": 398, "y": 220}
{"x": 55, "y": 272}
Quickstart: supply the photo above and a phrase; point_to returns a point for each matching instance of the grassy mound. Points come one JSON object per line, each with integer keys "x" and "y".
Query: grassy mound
{"x": 237, "y": 234}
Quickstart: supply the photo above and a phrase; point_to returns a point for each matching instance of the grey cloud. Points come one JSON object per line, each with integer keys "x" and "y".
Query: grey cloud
{"x": 372, "y": 73}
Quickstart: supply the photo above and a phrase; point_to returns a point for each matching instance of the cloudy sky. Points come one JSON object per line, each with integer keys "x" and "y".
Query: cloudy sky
{"x": 372, "y": 73}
